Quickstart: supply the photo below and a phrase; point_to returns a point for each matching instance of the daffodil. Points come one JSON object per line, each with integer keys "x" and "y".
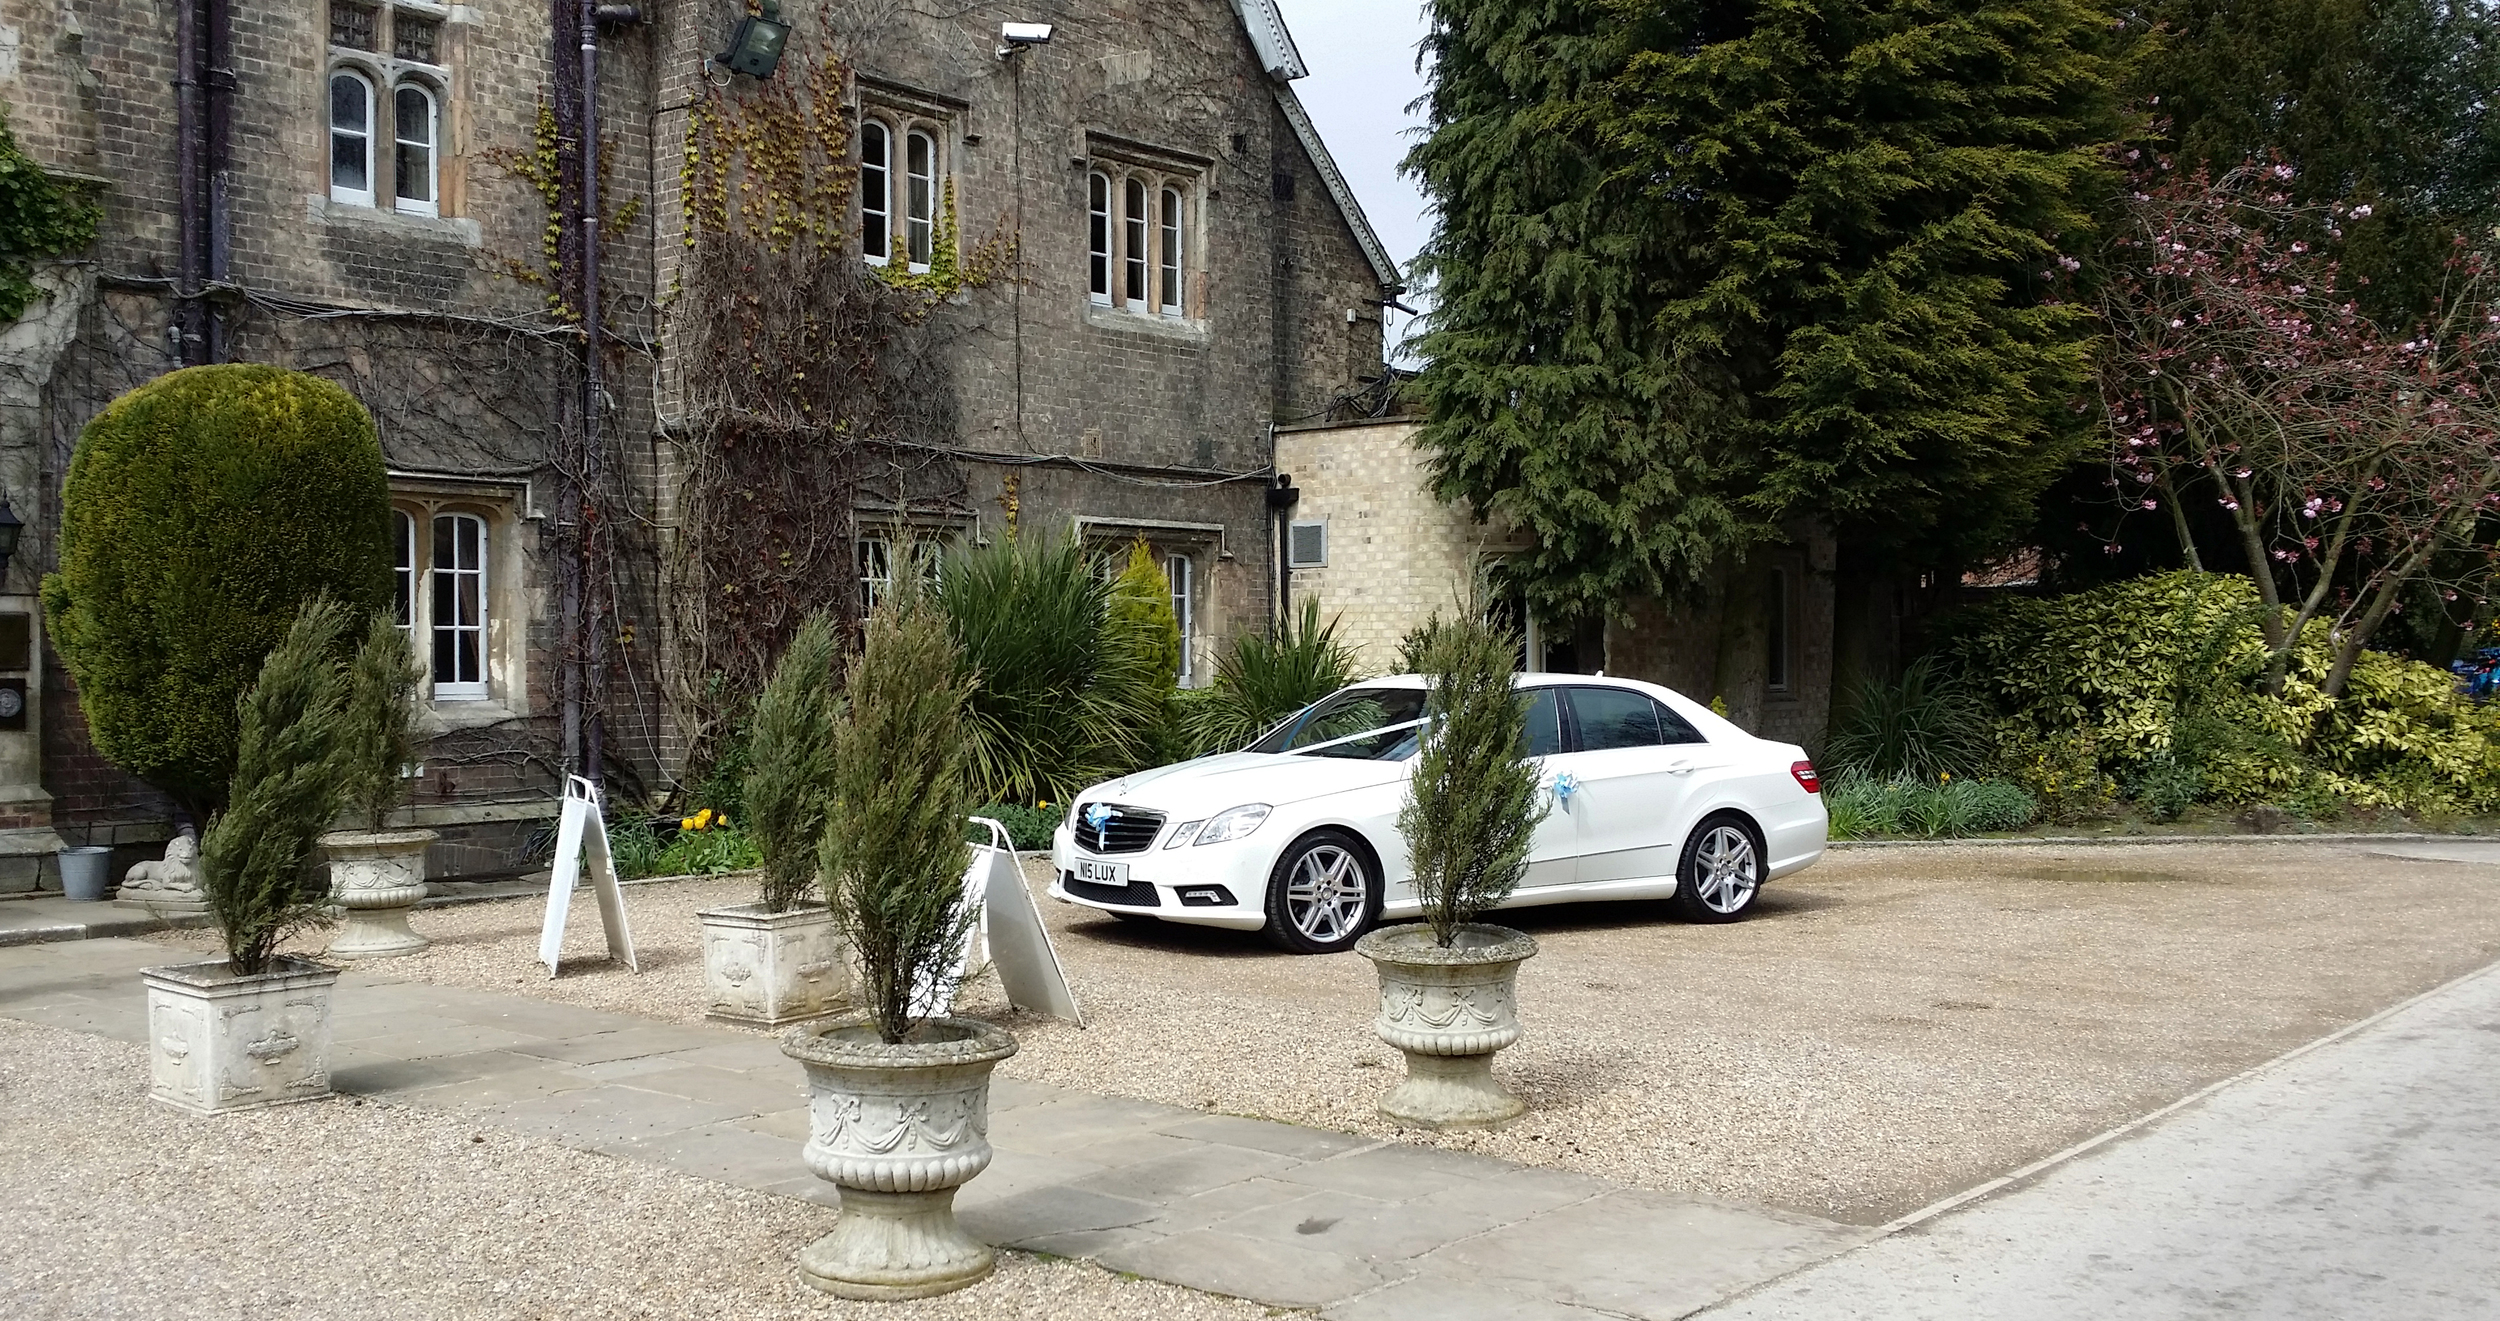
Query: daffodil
{"x": 703, "y": 819}
{"x": 685, "y": 823}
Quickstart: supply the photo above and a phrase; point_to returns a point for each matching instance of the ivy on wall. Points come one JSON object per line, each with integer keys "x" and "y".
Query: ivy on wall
{"x": 39, "y": 218}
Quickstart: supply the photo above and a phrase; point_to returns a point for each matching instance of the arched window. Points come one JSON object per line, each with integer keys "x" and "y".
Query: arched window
{"x": 459, "y": 608}
{"x": 351, "y": 138}
{"x": 1098, "y": 234}
{"x": 1171, "y": 252}
{"x": 876, "y": 190}
{"x": 920, "y": 162}
{"x": 415, "y": 130}
{"x": 1134, "y": 258}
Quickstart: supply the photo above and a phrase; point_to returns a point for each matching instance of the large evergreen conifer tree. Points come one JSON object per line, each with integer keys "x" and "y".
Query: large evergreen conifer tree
{"x": 1709, "y": 265}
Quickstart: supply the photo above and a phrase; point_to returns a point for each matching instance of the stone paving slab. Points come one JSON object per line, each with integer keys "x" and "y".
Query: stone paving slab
{"x": 1291, "y": 1217}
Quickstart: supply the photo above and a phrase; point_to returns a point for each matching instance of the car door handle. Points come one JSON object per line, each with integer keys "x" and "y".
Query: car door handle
{"x": 1685, "y": 766}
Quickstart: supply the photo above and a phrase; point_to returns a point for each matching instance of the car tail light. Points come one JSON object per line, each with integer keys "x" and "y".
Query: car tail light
{"x": 1806, "y": 778}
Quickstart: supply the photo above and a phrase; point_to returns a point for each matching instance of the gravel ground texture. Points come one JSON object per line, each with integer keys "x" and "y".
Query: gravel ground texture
{"x": 346, "y": 1209}
{"x": 1889, "y": 1027}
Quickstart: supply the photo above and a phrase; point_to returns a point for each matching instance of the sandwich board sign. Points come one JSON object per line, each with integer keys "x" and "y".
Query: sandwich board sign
{"x": 582, "y": 837}
{"x": 1007, "y": 935}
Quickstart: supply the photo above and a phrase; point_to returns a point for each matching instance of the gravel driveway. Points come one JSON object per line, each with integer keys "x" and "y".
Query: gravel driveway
{"x": 1891, "y": 1026}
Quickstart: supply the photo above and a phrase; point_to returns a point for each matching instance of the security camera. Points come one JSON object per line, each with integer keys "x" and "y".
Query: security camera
{"x": 1024, "y": 34}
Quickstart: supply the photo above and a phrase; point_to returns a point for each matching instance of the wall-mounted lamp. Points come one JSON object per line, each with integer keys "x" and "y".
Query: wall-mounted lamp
{"x": 1013, "y": 37}
{"x": 755, "y": 48}
{"x": 10, "y": 527}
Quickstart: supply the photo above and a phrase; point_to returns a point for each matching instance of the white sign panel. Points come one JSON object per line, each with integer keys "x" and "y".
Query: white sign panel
{"x": 1007, "y": 934}
{"x": 582, "y": 837}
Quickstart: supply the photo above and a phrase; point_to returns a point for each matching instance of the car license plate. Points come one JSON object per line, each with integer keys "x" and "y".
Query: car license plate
{"x": 1103, "y": 873}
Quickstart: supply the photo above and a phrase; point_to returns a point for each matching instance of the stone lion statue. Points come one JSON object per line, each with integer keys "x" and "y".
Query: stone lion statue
{"x": 177, "y": 872}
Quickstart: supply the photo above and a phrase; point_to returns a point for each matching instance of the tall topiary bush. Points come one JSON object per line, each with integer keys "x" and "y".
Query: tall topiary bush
{"x": 1471, "y": 809}
{"x": 287, "y": 786}
{"x": 380, "y": 737}
{"x": 1142, "y": 623}
{"x": 894, "y": 854}
{"x": 202, "y": 510}
{"x": 790, "y": 761}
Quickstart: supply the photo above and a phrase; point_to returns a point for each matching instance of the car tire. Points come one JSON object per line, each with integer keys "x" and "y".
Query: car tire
{"x": 1323, "y": 894}
{"x": 1721, "y": 872}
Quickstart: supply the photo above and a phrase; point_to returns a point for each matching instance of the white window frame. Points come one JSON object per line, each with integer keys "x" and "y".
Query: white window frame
{"x": 873, "y": 557}
{"x": 920, "y": 198}
{"x": 461, "y": 690}
{"x": 1172, "y": 294}
{"x": 1099, "y": 241}
{"x": 432, "y": 204}
{"x": 338, "y": 193}
{"x": 1136, "y": 238}
{"x": 404, "y": 600}
{"x": 876, "y": 197}
{"x": 1179, "y": 571}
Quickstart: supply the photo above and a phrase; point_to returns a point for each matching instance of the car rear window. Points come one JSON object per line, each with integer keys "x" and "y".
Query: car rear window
{"x": 1622, "y": 718}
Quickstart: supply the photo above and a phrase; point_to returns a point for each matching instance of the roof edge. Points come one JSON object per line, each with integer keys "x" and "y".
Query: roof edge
{"x": 1364, "y": 237}
{"x": 1266, "y": 26}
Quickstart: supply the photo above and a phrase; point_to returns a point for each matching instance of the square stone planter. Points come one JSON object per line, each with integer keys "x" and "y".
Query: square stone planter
{"x": 764, "y": 969}
{"x": 218, "y": 1042}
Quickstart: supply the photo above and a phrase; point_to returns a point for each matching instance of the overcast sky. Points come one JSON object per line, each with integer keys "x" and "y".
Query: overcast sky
{"x": 1362, "y": 59}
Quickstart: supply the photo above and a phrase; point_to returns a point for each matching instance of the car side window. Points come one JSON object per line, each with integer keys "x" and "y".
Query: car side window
{"x": 1614, "y": 718}
{"x": 1677, "y": 729}
{"x": 1543, "y": 735}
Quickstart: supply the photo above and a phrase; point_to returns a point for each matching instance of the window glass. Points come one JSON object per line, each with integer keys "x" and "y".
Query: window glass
{"x": 1134, "y": 216}
{"x": 876, "y": 572}
{"x": 876, "y": 159}
{"x": 351, "y": 138}
{"x": 459, "y": 606}
{"x": 414, "y": 178}
{"x": 1171, "y": 262}
{"x": 1676, "y": 729}
{"x": 351, "y": 25}
{"x": 1543, "y": 735}
{"x": 1614, "y": 718}
{"x": 1344, "y": 715}
{"x": 1098, "y": 234}
{"x": 920, "y": 161}
{"x": 403, "y": 568}
{"x": 1176, "y": 571}
{"x": 414, "y": 38}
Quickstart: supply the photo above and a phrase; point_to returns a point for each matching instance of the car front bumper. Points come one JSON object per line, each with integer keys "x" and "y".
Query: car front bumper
{"x": 1214, "y": 885}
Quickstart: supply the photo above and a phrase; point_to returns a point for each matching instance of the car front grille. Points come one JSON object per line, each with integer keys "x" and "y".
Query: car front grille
{"x": 1135, "y": 894}
{"x": 1129, "y": 830}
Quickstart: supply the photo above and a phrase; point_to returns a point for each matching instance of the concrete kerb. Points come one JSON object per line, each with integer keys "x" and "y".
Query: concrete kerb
{"x": 2067, "y": 841}
{"x": 2032, "y": 1173}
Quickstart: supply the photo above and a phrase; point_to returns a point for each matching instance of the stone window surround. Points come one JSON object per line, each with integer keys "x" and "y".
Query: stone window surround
{"x": 1203, "y": 545}
{"x": 384, "y": 74}
{"x": 928, "y": 535}
{"x": 903, "y": 110}
{"x": 1119, "y": 162}
{"x": 506, "y": 506}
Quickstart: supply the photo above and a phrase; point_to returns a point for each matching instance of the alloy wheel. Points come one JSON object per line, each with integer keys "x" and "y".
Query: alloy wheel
{"x": 1324, "y": 897}
{"x": 1730, "y": 870}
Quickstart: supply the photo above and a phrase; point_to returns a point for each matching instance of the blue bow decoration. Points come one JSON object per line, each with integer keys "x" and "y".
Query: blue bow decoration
{"x": 1565, "y": 785}
{"x": 1098, "y": 815}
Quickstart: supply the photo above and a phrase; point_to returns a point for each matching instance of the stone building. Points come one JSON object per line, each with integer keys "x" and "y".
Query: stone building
{"x": 371, "y": 190}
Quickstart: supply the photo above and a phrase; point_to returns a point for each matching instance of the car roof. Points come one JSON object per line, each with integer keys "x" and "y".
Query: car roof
{"x": 1711, "y": 724}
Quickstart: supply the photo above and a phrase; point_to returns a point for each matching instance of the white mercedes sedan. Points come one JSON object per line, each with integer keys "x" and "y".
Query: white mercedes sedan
{"x": 1653, "y": 797}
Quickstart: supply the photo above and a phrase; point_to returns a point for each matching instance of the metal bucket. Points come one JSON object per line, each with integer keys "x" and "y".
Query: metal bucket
{"x": 86, "y": 873}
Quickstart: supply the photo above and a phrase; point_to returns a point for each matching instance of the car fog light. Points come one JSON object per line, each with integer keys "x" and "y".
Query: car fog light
{"x": 1181, "y": 834}
{"x": 1233, "y": 823}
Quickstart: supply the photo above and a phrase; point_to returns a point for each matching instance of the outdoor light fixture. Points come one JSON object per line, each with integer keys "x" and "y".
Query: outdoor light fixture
{"x": 755, "y": 48}
{"x": 1013, "y": 37}
{"x": 10, "y": 526}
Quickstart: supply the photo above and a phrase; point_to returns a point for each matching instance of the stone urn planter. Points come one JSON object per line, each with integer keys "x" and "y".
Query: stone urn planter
{"x": 1449, "y": 1010}
{"x": 219, "y": 1042}
{"x": 898, "y": 1128}
{"x": 377, "y": 876}
{"x": 764, "y": 969}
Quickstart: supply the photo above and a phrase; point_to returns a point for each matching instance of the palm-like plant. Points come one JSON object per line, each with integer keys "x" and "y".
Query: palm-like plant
{"x": 1260, "y": 681}
{"x": 1055, "y": 703}
{"x": 1923, "y": 725}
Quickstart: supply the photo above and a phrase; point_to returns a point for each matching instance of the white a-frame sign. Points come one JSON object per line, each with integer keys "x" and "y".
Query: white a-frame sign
{"x": 582, "y": 836}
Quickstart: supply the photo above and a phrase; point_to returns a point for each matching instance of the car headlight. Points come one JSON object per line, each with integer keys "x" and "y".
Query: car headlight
{"x": 1181, "y": 834}
{"x": 1233, "y": 823}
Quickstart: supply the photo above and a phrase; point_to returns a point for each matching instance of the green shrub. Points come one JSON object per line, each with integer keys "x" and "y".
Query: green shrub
{"x": 202, "y": 510}
{"x": 1924, "y": 724}
{"x": 2170, "y": 665}
{"x": 1027, "y": 827}
{"x": 2166, "y": 787}
{"x": 789, "y": 746}
{"x": 894, "y": 855}
{"x": 635, "y": 846}
{"x": 1055, "y": 705}
{"x": 1259, "y": 681}
{"x": 706, "y": 844}
{"x": 380, "y": 734}
{"x": 287, "y": 788}
{"x": 1472, "y": 806}
{"x": 1863, "y": 807}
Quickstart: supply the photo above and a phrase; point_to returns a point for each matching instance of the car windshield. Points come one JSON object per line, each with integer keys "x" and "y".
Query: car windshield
{"x": 1369, "y": 724}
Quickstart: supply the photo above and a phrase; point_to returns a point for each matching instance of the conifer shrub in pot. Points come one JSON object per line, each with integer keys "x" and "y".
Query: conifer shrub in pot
{"x": 780, "y": 959}
{"x": 253, "y": 1029}
{"x": 377, "y": 874}
{"x": 898, "y": 1097}
{"x": 1448, "y": 985}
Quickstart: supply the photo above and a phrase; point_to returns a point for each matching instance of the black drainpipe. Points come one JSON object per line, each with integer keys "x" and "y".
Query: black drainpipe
{"x": 588, "y": 643}
{"x": 190, "y": 152}
{"x": 218, "y": 160}
{"x": 1281, "y": 498}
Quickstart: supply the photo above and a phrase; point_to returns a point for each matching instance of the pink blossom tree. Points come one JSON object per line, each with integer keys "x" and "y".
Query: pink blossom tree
{"x": 2354, "y": 462}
